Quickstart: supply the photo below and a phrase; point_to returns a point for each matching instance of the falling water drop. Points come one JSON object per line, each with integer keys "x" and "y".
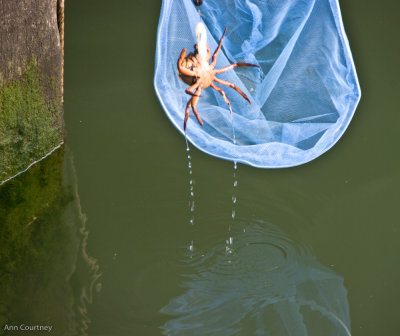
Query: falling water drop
{"x": 191, "y": 202}
{"x": 235, "y": 183}
{"x": 229, "y": 250}
{"x": 229, "y": 242}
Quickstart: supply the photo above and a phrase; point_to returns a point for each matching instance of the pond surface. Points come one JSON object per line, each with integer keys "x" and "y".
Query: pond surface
{"x": 105, "y": 238}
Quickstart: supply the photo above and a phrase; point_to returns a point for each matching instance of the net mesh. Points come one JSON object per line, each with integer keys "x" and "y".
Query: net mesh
{"x": 303, "y": 96}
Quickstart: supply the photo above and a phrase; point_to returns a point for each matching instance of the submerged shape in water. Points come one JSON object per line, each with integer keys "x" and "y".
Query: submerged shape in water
{"x": 302, "y": 99}
{"x": 43, "y": 249}
{"x": 268, "y": 286}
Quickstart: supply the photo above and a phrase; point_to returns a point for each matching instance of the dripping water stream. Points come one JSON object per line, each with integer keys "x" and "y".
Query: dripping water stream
{"x": 191, "y": 192}
{"x": 229, "y": 241}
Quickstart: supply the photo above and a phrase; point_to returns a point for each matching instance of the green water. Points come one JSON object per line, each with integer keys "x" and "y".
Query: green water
{"x": 102, "y": 242}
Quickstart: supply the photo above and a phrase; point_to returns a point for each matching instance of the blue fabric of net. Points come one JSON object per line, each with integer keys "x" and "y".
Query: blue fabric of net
{"x": 303, "y": 97}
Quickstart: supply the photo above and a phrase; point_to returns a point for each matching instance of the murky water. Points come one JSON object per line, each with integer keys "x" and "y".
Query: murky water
{"x": 105, "y": 237}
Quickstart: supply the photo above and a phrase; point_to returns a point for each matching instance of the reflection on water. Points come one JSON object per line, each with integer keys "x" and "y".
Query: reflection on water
{"x": 87, "y": 271}
{"x": 46, "y": 275}
{"x": 270, "y": 285}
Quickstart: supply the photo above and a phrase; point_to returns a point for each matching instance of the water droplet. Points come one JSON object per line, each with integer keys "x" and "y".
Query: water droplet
{"x": 229, "y": 251}
{"x": 191, "y": 183}
{"x": 234, "y": 199}
{"x": 233, "y": 214}
{"x": 235, "y": 183}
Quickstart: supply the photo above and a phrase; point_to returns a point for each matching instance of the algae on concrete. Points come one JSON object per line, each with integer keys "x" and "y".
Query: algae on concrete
{"x": 30, "y": 126}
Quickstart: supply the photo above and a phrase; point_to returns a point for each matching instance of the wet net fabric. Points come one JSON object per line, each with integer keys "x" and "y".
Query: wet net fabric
{"x": 303, "y": 97}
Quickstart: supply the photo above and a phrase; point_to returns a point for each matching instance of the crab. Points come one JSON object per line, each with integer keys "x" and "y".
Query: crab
{"x": 196, "y": 71}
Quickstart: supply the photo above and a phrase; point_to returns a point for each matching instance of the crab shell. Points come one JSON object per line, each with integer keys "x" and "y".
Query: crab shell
{"x": 189, "y": 62}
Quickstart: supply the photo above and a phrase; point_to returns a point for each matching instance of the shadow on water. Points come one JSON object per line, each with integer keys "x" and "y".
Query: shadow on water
{"x": 46, "y": 275}
{"x": 267, "y": 285}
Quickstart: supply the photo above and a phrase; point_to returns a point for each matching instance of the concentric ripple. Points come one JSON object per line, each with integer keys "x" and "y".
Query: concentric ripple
{"x": 267, "y": 285}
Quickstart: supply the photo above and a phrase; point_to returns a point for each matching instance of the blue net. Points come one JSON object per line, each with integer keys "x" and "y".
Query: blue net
{"x": 302, "y": 97}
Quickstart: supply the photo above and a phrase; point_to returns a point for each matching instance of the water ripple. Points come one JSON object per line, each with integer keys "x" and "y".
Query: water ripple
{"x": 269, "y": 284}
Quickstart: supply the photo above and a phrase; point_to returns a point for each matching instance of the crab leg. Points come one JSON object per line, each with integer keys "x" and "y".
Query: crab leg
{"x": 192, "y": 103}
{"x": 234, "y": 65}
{"x": 195, "y": 99}
{"x": 183, "y": 70}
{"x": 223, "y": 94}
{"x": 189, "y": 104}
{"x": 193, "y": 87}
{"x": 233, "y": 86}
{"x": 214, "y": 57}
